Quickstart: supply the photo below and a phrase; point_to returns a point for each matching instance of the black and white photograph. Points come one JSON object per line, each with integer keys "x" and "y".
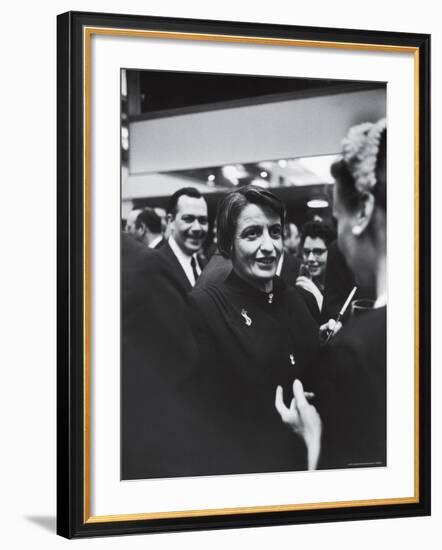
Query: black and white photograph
{"x": 228, "y": 251}
{"x": 253, "y": 274}
{"x": 219, "y": 238}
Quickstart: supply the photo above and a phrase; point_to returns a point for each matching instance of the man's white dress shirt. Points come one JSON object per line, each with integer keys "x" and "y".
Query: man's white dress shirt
{"x": 185, "y": 260}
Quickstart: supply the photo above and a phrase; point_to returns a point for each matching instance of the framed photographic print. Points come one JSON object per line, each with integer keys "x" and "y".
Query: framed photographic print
{"x": 243, "y": 301}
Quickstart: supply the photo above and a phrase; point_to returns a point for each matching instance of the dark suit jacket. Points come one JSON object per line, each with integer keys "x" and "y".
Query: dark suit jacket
{"x": 160, "y": 244}
{"x": 157, "y": 352}
{"x": 290, "y": 269}
{"x": 215, "y": 272}
{"x": 169, "y": 257}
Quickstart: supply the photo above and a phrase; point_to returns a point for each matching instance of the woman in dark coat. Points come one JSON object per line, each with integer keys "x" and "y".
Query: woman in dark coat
{"x": 351, "y": 378}
{"x": 252, "y": 331}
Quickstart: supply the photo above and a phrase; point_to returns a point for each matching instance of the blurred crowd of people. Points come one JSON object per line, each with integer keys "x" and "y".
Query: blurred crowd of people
{"x": 214, "y": 337}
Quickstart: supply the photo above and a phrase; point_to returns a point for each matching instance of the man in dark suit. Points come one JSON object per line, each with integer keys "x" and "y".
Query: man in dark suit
{"x": 188, "y": 226}
{"x": 156, "y": 355}
{"x": 145, "y": 225}
{"x": 158, "y": 348}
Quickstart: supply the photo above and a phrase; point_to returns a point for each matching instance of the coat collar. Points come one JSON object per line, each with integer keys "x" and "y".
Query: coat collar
{"x": 234, "y": 282}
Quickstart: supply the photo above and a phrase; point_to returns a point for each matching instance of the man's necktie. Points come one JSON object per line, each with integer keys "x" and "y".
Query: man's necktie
{"x": 193, "y": 264}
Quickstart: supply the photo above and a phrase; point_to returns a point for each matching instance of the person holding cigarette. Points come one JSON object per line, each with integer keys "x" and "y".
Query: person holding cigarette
{"x": 347, "y": 426}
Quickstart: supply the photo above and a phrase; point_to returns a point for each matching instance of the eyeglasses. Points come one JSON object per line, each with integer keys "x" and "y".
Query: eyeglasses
{"x": 315, "y": 251}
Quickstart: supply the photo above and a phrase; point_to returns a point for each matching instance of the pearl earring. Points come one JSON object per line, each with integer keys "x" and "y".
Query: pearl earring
{"x": 356, "y": 230}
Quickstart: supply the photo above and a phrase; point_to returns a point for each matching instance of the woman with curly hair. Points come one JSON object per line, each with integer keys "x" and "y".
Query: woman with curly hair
{"x": 351, "y": 378}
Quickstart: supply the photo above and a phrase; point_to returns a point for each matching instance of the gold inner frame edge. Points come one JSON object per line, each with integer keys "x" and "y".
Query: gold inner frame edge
{"x": 87, "y": 33}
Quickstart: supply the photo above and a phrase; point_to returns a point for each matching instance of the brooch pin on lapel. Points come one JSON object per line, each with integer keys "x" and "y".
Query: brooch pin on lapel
{"x": 246, "y": 318}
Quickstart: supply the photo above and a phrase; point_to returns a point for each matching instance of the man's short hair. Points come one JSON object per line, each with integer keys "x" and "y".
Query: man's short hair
{"x": 151, "y": 220}
{"x": 317, "y": 229}
{"x": 184, "y": 191}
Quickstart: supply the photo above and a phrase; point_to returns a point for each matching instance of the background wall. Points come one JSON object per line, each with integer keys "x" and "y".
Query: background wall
{"x": 27, "y": 303}
{"x": 225, "y": 136}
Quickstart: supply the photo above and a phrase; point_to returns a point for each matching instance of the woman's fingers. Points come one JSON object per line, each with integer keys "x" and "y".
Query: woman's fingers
{"x": 304, "y": 420}
{"x": 288, "y": 415}
{"x": 329, "y": 329}
{"x": 334, "y": 326}
{"x": 300, "y": 398}
{"x": 299, "y": 395}
{"x": 279, "y": 402}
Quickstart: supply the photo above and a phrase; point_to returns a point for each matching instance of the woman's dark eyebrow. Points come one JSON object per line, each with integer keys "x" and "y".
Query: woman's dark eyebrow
{"x": 249, "y": 227}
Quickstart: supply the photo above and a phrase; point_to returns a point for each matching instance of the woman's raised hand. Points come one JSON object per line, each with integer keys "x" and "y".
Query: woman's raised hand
{"x": 304, "y": 420}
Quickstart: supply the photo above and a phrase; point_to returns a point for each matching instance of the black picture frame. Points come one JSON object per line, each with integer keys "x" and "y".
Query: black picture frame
{"x": 73, "y": 498}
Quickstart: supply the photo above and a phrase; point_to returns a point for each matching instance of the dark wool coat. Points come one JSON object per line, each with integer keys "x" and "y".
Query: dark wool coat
{"x": 248, "y": 343}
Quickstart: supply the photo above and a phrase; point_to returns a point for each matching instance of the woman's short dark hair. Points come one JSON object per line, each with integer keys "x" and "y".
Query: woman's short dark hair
{"x": 350, "y": 195}
{"x": 316, "y": 229}
{"x": 231, "y": 206}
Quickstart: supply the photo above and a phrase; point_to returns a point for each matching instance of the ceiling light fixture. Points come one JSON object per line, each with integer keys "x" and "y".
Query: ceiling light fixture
{"x": 317, "y": 203}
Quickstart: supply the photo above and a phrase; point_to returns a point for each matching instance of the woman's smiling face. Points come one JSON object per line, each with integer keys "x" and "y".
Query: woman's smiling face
{"x": 257, "y": 245}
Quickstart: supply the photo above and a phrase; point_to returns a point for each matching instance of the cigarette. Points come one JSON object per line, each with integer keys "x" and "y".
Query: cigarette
{"x": 330, "y": 332}
{"x": 347, "y": 301}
